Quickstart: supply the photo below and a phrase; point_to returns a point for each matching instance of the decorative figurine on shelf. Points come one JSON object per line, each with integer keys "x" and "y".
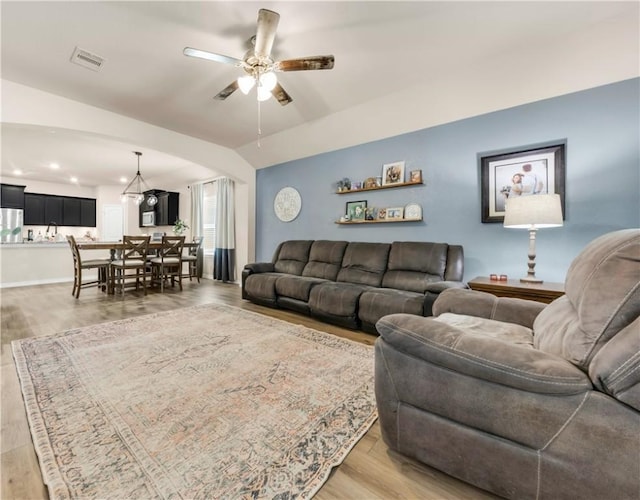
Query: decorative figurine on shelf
{"x": 344, "y": 184}
{"x": 179, "y": 227}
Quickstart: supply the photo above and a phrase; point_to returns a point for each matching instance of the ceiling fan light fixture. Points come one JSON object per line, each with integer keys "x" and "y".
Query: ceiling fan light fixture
{"x": 246, "y": 83}
{"x": 268, "y": 80}
{"x": 263, "y": 94}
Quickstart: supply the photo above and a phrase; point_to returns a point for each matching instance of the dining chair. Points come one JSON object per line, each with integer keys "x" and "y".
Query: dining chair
{"x": 133, "y": 257}
{"x": 168, "y": 263}
{"x": 192, "y": 259}
{"x": 79, "y": 265}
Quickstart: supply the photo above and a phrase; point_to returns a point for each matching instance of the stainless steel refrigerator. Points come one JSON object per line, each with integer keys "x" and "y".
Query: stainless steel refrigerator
{"x": 11, "y": 221}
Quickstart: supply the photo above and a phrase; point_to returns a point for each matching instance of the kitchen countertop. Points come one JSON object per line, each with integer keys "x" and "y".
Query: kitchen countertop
{"x": 35, "y": 244}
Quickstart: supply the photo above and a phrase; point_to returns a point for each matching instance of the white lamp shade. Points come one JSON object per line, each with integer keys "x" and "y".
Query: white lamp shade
{"x": 268, "y": 80}
{"x": 246, "y": 83}
{"x": 538, "y": 210}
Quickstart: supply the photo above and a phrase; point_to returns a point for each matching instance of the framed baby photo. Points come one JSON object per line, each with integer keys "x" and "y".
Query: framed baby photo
{"x": 522, "y": 172}
{"x": 356, "y": 210}
{"x": 415, "y": 176}
{"x": 393, "y": 173}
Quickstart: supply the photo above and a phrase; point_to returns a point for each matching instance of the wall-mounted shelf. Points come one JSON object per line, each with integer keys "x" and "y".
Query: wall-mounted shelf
{"x": 376, "y": 221}
{"x": 385, "y": 186}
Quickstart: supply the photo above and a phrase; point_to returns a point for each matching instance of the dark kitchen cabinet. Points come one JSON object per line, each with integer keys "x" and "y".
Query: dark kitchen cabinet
{"x": 34, "y": 209}
{"x": 53, "y": 208}
{"x": 167, "y": 211}
{"x": 11, "y": 196}
{"x": 43, "y": 209}
{"x": 87, "y": 212}
{"x": 70, "y": 211}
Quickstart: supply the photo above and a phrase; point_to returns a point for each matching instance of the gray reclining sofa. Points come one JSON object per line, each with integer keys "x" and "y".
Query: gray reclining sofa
{"x": 354, "y": 284}
{"x": 527, "y": 400}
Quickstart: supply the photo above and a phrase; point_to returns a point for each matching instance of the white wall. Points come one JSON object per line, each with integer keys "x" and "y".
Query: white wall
{"x": 26, "y": 105}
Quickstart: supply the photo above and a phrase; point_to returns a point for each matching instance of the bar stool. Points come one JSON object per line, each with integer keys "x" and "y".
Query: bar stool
{"x": 102, "y": 265}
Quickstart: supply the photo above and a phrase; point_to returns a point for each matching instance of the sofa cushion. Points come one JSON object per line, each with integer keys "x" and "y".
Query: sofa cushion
{"x": 337, "y": 299}
{"x": 602, "y": 297}
{"x": 415, "y": 264}
{"x": 296, "y": 287}
{"x": 364, "y": 263}
{"x": 292, "y": 256}
{"x": 325, "y": 259}
{"x": 378, "y": 302}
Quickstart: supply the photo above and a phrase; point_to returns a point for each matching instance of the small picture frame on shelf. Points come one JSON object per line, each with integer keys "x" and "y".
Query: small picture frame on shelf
{"x": 370, "y": 182}
{"x": 356, "y": 210}
{"x": 382, "y": 214}
{"x": 393, "y": 173}
{"x": 395, "y": 213}
{"x": 415, "y": 176}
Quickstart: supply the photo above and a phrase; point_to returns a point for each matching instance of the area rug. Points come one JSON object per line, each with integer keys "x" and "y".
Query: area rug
{"x": 204, "y": 402}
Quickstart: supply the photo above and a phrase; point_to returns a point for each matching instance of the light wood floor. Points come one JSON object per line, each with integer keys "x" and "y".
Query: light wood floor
{"x": 370, "y": 471}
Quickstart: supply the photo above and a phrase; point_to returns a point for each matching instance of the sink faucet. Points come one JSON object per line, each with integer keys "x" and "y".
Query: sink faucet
{"x": 49, "y": 226}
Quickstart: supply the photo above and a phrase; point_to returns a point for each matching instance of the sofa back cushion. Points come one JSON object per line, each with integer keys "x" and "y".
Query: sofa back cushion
{"x": 414, "y": 264}
{"x": 325, "y": 259}
{"x": 364, "y": 263}
{"x": 291, "y": 256}
{"x": 602, "y": 298}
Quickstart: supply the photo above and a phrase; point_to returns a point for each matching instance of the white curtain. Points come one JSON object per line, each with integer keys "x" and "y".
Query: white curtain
{"x": 197, "y": 226}
{"x": 224, "y": 268}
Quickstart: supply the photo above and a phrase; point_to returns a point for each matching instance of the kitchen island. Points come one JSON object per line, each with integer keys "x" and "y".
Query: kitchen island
{"x": 24, "y": 264}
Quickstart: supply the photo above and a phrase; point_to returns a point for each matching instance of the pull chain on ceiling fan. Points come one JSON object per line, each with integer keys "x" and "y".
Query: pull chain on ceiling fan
{"x": 258, "y": 65}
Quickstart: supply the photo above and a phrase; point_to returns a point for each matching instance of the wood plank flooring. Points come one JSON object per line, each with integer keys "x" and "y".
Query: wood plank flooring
{"x": 371, "y": 471}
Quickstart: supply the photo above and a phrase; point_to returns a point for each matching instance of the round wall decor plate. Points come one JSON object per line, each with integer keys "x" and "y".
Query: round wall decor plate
{"x": 413, "y": 211}
{"x": 287, "y": 204}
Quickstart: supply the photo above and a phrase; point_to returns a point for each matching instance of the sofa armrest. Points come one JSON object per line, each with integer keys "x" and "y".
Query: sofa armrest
{"x": 485, "y": 305}
{"x": 255, "y": 268}
{"x": 441, "y": 286}
{"x": 486, "y": 358}
{"x": 259, "y": 267}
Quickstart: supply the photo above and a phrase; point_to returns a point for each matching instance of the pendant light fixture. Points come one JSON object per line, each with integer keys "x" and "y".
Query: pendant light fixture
{"x": 137, "y": 187}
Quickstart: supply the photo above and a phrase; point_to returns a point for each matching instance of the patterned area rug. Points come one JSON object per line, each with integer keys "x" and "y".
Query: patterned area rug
{"x": 203, "y": 402}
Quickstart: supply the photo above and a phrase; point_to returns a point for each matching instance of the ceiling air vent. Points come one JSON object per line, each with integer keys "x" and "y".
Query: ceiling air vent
{"x": 87, "y": 59}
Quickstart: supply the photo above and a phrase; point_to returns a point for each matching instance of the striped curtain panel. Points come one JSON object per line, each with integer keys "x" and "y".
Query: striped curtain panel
{"x": 197, "y": 226}
{"x": 224, "y": 267}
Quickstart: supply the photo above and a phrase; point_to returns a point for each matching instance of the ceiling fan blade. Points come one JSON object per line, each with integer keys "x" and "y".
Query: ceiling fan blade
{"x": 266, "y": 32}
{"x": 281, "y": 95}
{"x": 227, "y": 91}
{"x": 203, "y": 54}
{"x": 305, "y": 63}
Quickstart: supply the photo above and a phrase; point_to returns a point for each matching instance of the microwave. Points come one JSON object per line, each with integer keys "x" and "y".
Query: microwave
{"x": 149, "y": 218}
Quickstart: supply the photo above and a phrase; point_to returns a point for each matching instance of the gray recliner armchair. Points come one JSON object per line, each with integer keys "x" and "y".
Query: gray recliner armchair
{"x": 523, "y": 399}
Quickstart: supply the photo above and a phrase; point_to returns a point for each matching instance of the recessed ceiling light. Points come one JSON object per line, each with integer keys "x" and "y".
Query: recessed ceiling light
{"x": 54, "y": 166}
{"x": 123, "y": 180}
{"x": 74, "y": 180}
{"x": 17, "y": 171}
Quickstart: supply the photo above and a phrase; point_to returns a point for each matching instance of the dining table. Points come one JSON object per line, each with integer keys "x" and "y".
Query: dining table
{"x": 115, "y": 246}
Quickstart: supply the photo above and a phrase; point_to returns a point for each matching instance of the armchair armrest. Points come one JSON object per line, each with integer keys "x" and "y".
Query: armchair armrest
{"x": 484, "y": 305}
{"x": 497, "y": 361}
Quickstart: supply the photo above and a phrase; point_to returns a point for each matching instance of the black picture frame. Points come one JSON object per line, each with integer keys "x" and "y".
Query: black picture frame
{"x": 542, "y": 170}
{"x": 356, "y": 210}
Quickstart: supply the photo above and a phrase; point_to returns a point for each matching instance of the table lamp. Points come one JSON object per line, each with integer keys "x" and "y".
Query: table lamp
{"x": 533, "y": 212}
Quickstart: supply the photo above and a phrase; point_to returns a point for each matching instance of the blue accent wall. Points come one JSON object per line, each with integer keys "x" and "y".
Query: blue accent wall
{"x": 601, "y": 128}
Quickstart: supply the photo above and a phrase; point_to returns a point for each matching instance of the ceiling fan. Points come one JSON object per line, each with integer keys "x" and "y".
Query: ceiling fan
{"x": 260, "y": 68}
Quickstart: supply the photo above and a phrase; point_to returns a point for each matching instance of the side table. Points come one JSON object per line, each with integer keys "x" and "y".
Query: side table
{"x": 542, "y": 292}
